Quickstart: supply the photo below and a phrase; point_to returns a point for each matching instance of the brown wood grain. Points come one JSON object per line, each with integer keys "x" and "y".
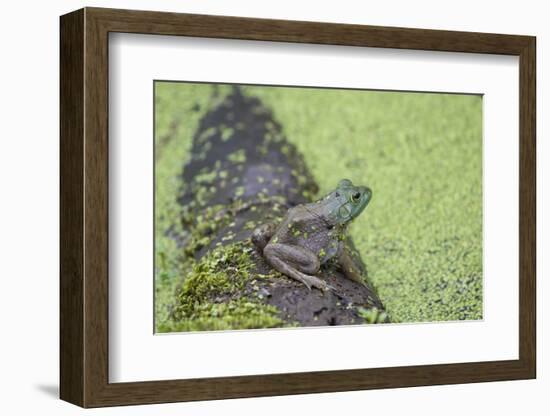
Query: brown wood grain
{"x": 71, "y": 213}
{"x": 84, "y": 207}
{"x": 527, "y": 207}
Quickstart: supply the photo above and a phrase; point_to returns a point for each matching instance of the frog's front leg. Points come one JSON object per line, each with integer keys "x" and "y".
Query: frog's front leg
{"x": 296, "y": 262}
{"x": 351, "y": 267}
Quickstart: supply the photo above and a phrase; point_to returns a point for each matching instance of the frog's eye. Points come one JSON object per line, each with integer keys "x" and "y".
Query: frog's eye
{"x": 356, "y": 196}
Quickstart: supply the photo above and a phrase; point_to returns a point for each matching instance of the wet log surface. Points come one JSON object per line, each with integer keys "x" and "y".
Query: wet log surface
{"x": 243, "y": 172}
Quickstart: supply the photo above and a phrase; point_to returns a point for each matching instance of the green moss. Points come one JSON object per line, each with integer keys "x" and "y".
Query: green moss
{"x": 373, "y": 315}
{"x": 250, "y": 225}
{"x": 207, "y": 177}
{"x": 211, "y": 296}
{"x": 202, "y": 227}
{"x": 238, "y": 156}
{"x": 237, "y": 314}
{"x": 239, "y": 191}
{"x": 206, "y": 134}
{"x": 222, "y": 272}
{"x": 227, "y": 133}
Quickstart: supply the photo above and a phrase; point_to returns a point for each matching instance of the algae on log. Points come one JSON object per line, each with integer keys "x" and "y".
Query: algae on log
{"x": 243, "y": 172}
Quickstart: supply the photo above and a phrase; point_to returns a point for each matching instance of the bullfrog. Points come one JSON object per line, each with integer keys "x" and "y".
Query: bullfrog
{"x": 311, "y": 234}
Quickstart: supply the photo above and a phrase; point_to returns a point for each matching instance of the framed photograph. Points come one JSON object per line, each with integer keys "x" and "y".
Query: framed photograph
{"x": 255, "y": 207}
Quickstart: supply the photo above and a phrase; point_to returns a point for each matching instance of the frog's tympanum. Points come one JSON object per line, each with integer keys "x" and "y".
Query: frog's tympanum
{"x": 312, "y": 234}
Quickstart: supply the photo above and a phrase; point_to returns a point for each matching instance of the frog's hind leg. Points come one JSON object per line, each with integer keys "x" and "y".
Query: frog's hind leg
{"x": 295, "y": 262}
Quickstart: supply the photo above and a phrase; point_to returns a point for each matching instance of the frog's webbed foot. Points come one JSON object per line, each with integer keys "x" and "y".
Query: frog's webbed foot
{"x": 309, "y": 281}
{"x": 295, "y": 262}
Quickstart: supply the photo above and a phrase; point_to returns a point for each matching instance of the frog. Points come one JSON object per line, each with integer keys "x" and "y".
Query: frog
{"x": 312, "y": 234}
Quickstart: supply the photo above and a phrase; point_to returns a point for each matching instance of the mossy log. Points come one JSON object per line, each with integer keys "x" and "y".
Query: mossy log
{"x": 241, "y": 173}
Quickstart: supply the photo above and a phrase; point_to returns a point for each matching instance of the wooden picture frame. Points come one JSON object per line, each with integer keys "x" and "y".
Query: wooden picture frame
{"x": 84, "y": 207}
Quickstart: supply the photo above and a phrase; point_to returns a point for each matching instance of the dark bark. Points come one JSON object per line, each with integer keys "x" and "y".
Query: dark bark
{"x": 243, "y": 172}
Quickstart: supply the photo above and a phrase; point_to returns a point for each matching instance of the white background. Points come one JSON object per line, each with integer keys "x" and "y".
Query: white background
{"x": 135, "y": 354}
{"x": 29, "y": 220}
